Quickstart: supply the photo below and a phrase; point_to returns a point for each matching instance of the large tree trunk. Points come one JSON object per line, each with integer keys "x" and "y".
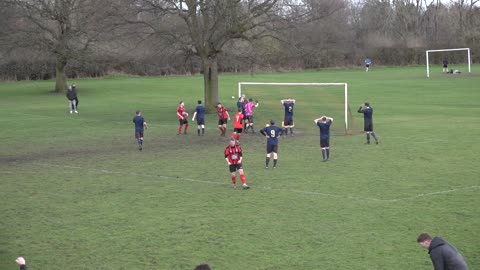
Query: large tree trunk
{"x": 210, "y": 79}
{"x": 60, "y": 77}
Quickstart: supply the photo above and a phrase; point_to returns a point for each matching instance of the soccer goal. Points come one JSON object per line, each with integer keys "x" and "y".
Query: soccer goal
{"x": 448, "y": 50}
{"x": 312, "y": 100}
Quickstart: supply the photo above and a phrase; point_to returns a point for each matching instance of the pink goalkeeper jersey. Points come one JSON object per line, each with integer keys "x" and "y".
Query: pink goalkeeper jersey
{"x": 249, "y": 108}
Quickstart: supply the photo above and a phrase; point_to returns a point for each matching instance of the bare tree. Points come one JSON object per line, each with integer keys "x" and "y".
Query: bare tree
{"x": 66, "y": 28}
{"x": 208, "y": 25}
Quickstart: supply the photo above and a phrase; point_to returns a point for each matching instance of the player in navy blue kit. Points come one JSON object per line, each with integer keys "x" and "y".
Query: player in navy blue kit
{"x": 272, "y": 133}
{"x": 368, "y": 121}
{"x": 140, "y": 124}
{"x": 324, "y": 124}
{"x": 288, "y": 104}
{"x": 200, "y": 114}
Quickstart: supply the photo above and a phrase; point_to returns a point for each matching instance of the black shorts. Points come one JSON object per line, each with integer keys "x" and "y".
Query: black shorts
{"x": 183, "y": 121}
{"x": 368, "y": 126}
{"x": 445, "y": 66}
{"x": 367, "y": 66}
{"x": 324, "y": 142}
{"x": 288, "y": 121}
{"x": 200, "y": 121}
{"x": 250, "y": 118}
{"x": 272, "y": 148}
{"x": 238, "y": 130}
{"x": 138, "y": 134}
{"x": 235, "y": 167}
{"x": 222, "y": 121}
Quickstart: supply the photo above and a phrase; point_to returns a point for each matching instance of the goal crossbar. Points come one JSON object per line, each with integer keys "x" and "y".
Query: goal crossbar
{"x": 345, "y": 87}
{"x": 448, "y": 50}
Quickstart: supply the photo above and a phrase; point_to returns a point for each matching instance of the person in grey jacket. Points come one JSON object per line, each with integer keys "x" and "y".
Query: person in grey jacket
{"x": 71, "y": 96}
{"x": 443, "y": 255}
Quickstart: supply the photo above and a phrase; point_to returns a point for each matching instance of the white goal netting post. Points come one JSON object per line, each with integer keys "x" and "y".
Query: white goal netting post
{"x": 345, "y": 87}
{"x": 448, "y": 50}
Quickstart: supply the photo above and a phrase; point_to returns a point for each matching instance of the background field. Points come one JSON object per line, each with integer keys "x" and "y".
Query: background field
{"x": 76, "y": 193}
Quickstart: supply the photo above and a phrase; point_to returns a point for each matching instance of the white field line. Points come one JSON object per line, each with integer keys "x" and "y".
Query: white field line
{"x": 433, "y": 193}
{"x": 263, "y": 187}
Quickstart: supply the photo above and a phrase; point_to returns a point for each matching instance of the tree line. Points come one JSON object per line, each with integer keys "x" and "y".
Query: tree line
{"x": 45, "y": 39}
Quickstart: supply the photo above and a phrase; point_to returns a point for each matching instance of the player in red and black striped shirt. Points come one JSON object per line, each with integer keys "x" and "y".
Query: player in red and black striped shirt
{"x": 223, "y": 118}
{"x": 233, "y": 156}
{"x": 182, "y": 118}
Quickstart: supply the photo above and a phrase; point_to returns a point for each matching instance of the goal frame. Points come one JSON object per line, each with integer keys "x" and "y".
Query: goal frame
{"x": 448, "y": 50}
{"x": 345, "y": 87}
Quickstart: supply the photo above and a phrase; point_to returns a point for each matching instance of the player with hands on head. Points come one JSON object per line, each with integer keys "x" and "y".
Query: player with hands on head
{"x": 324, "y": 124}
{"x": 233, "y": 155}
{"x": 288, "y": 104}
{"x": 272, "y": 132}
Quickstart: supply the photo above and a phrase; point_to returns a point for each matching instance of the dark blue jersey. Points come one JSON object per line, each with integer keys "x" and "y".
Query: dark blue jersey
{"x": 200, "y": 112}
{"x": 367, "y": 113}
{"x": 324, "y": 128}
{"x": 241, "y": 105}
{"x": 138, "y": 120}
{"x": 272, "y": 132}
{"x": 288, "y": 108}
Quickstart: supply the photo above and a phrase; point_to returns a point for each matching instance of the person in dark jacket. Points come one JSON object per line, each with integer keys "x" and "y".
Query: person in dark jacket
{"x": 443, "y": 255}
{"x": 74, "y": 88}
{"x": 21, "y": 261}
{"x": 71, "y": 96}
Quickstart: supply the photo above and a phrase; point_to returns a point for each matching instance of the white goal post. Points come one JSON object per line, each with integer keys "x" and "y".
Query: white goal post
{"x": 448, "y": 50}
{"x": 345, "y": 87}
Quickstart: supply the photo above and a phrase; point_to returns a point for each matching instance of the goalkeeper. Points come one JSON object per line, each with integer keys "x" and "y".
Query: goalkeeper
{"x": 249, "y": 114}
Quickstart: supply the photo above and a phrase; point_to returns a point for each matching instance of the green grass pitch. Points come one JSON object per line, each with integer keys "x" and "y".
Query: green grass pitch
{"x": 76, "y": 193}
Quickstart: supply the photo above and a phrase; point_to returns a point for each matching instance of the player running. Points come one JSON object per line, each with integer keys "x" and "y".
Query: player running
{"x": 237, "y": 125}
{"x": 324, "y": 124}
{"x": 249, "y": 114}
{"x": 200, "y": 114}
{"x": 140, "y": 124}
{"x": 368, "y": 121}
{"x": 288, "y": 104}
{"x": 223, "y": 118}
{"x": 368, "y": 62}
{"x": 233, "y": 156}
{"x": 272, "y": 133}
{"x": 182, "y": 118}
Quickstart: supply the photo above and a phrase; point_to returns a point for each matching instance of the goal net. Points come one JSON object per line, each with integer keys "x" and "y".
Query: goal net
{"x": 312, "y": 100}
{"x": 456, "y": 59}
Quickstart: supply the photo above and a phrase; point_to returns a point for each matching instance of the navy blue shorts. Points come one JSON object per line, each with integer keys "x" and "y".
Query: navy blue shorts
{"x": 324, "y": 142}
{"x": 368, "y": 126}
{"x": 288, "y": 121}
{"x": 272, "y": 148}
{"x": 138, "y": 134}
{"x": 200, "y": 121}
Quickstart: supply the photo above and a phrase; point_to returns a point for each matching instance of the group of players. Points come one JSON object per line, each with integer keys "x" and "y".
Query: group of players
{"x": 243, "y": 121}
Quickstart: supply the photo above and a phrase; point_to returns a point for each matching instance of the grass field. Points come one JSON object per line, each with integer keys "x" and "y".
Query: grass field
{"x": 77, "y": 194}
